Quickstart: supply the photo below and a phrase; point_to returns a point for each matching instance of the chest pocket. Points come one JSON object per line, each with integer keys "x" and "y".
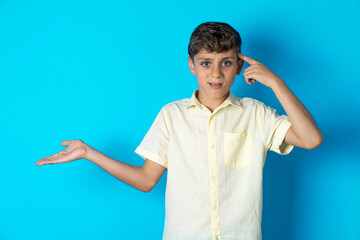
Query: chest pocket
{"x": 238, "y": 149}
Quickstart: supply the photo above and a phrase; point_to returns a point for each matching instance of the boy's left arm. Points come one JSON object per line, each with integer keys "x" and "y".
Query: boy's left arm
{"x": 303, "y": 132}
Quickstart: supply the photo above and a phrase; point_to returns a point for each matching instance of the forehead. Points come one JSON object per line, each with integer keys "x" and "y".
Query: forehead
{"x": 215, "y": 55}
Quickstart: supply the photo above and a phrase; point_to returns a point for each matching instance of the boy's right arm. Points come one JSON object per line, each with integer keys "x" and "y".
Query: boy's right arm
{"x": 143, "y": 178}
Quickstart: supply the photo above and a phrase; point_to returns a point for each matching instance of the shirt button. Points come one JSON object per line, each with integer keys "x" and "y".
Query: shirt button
{"x": 214, "y": 207}
{"x": 212, "y": 146}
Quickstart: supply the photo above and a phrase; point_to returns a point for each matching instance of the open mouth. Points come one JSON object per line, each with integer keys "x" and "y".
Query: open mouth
{"x": 215, "y": 85}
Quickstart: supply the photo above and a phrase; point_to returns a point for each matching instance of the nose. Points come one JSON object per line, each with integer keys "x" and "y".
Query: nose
{"x": 217, "y": 73}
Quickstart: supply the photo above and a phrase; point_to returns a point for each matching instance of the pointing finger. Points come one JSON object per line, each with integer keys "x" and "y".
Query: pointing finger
{"x": 247, "y": 59}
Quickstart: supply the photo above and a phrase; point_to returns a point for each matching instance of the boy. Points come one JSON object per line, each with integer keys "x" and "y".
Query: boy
{"x": 212, "y": 144}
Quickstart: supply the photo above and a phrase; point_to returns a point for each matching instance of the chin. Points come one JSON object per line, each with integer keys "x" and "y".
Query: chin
{"x": 219, "y": 94}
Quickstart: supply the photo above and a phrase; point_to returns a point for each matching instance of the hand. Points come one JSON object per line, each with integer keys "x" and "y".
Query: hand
{"x": 258, "y": 72}
{"x": 76, "y": 150}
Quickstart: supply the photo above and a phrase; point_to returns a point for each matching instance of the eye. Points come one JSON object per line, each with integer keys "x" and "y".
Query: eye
{"x": 205, "y": 64}
{"x": 227, "y": 63}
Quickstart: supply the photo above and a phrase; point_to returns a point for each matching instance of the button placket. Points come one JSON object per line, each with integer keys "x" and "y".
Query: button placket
{"x": 213, "y": 171}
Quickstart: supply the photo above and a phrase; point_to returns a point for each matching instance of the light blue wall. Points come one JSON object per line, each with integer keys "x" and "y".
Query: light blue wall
{"x": 101, "y": 71}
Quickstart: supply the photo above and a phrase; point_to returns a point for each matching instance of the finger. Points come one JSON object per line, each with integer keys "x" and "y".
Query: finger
{"x": 39, "y": 163}
{"x": 247, "y": 59}
{"x": 248, "y": 81}
{"x": 65, "y": 143}
{"x": 56, "y": 154}
{"x": 249, "y": 72}
{"x": 256, "y": 67}
{"x": 251, "y": 81}
{"x": 51, "y": 160}
{"x": 252, "y": 67}
{"x": 43, "y": 161}
{"x": 250, "y": 78}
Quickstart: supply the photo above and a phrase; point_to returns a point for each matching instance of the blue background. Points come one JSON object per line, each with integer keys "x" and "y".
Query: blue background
{"x": 100, "y": 71}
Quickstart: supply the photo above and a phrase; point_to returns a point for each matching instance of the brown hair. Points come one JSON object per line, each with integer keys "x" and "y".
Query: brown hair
{"x": 214, "y": 37}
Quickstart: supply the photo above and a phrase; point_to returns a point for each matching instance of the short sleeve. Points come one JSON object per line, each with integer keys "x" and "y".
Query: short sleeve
{"x": 154, "y": 146}
{"x": 273, "y": 128}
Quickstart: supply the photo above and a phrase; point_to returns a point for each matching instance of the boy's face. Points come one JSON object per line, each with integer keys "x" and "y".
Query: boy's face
{"x": 215, "y": 73}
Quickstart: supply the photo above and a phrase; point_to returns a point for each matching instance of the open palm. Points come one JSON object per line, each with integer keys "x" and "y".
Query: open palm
{"x": 75, "y": 150}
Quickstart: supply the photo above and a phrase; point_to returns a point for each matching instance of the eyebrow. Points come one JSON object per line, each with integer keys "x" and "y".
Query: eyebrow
{"x": 211, "y": 58}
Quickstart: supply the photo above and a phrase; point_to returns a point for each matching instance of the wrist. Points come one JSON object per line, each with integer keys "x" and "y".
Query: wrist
{"x": 88, "y": 152}
{"x": 277, "y": 84}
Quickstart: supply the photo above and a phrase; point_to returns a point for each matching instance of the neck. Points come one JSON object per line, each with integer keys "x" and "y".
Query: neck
{"x": 210, "y": 103}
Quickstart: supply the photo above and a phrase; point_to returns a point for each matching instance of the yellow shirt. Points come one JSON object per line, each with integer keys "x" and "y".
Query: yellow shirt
{"x": 215, "y": 165}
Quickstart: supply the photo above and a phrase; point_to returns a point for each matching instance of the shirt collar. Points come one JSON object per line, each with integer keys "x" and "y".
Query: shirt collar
{"x": 193, "y": 101}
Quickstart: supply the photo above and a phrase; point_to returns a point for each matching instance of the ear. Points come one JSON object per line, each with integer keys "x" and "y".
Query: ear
{"x": 191, "y": 65}
{"x": 239, "y": 66}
